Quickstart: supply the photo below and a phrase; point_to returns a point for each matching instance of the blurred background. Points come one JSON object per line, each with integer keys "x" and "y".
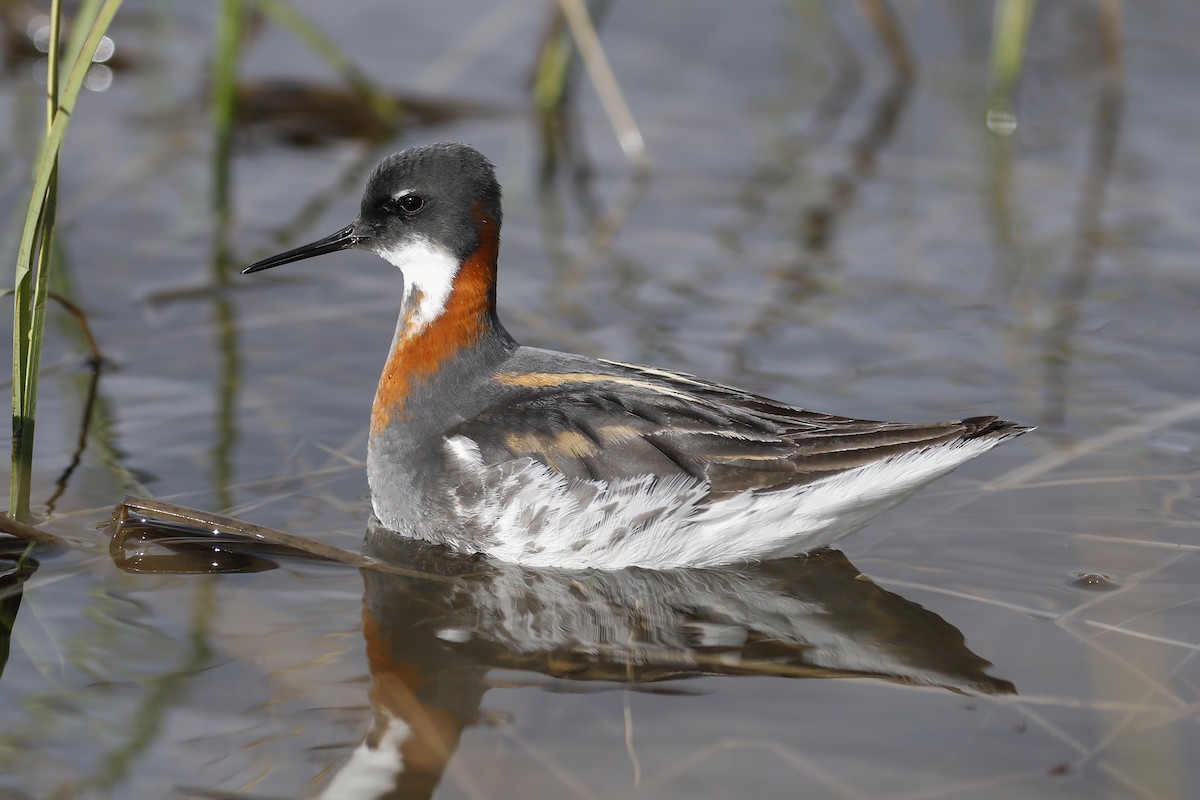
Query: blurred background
{"x": 880, "y": 209}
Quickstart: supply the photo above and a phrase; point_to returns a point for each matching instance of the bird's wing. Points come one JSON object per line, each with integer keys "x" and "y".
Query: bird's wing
{"x": 620, "y": 421}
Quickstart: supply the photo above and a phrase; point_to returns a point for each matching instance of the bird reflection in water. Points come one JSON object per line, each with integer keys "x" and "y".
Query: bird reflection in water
{"x": 435, "y": 630}
{"x": 431, "y": 646}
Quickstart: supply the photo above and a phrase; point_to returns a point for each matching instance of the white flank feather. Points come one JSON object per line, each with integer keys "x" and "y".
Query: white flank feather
{"x": 531, "y": 515}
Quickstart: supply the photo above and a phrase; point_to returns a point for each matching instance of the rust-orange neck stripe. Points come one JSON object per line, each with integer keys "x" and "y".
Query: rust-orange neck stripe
{"x": 468, "y": 316}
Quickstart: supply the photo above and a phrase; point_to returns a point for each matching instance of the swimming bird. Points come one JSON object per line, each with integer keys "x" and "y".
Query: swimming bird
{"x": 547, "y": 458}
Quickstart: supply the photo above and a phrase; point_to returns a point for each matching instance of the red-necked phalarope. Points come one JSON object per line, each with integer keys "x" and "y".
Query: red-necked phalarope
{"x": 554, "y": 459}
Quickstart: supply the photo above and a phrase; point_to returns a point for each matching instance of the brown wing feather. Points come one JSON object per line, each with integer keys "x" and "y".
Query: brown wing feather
{"x": 629, "y": 421}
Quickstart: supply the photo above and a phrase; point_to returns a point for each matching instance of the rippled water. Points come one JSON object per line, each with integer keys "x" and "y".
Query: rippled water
{"x": 814, "y": 228}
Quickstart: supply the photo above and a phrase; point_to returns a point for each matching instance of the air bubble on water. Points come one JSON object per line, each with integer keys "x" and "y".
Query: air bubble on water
{"x": 1001, "y": 123}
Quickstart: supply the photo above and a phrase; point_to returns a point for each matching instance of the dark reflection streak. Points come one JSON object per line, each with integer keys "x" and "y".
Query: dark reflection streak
{"x": 883, "y": 18}
{"x": 561, "y": 138}
{"x": 554, "y": 128}
{"x": 797, "y": 279}
{"x": 554, "y": 79}
{"x": 1102, "y": 156}
{"x": 845, "y": 84}
{"x": 143, "y": 729}
{"x": 81, "y": 442}
{"x": 630, "y": 272}
{"x": 227, "y": 392}
{"x": 95, "y": 358}
{"x": 224, "y": 110}
{"x": 561, "y": 145}
{"x": 95, "y": 362}
{"x": 843, "y": 188}
{"x": 549, "y": 125}
{"x": 882, "y": 126}
{"x": 775, "y": 175}
{"x": 15, "y": 570}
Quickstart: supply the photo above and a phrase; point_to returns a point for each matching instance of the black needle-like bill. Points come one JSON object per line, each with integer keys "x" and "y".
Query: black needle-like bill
{"x": 342, "y": 240}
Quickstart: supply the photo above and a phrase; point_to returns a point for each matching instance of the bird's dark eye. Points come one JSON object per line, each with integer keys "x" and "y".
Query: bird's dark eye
{"x": 410, "y": 203}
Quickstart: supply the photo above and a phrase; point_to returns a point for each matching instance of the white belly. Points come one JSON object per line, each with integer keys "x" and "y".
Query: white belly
{"x": 529, "y": 514}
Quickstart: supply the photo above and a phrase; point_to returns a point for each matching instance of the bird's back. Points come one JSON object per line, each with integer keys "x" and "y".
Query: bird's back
{"x": 567, "y": 460}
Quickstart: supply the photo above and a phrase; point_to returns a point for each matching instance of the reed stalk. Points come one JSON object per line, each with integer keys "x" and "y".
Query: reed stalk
{"x": 32, "y": 273}
{"x": 1010, "y": 34}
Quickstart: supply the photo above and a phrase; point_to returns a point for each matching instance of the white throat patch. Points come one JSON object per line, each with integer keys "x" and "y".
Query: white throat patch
{"x": 429, "y": 272}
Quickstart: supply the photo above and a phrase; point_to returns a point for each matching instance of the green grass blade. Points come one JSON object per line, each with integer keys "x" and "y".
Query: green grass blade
{"x": 31, "y": 280}
{"x": 26, "y": 299}
{"x": 54, "y": 137}
{"x": 81, "y": 23}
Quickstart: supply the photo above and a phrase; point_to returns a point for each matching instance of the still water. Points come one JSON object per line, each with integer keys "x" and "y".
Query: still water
{"x": 816, "y": 227}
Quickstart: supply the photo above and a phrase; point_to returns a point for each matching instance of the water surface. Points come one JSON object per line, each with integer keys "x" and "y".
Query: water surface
{"x": 814, "y": 228}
